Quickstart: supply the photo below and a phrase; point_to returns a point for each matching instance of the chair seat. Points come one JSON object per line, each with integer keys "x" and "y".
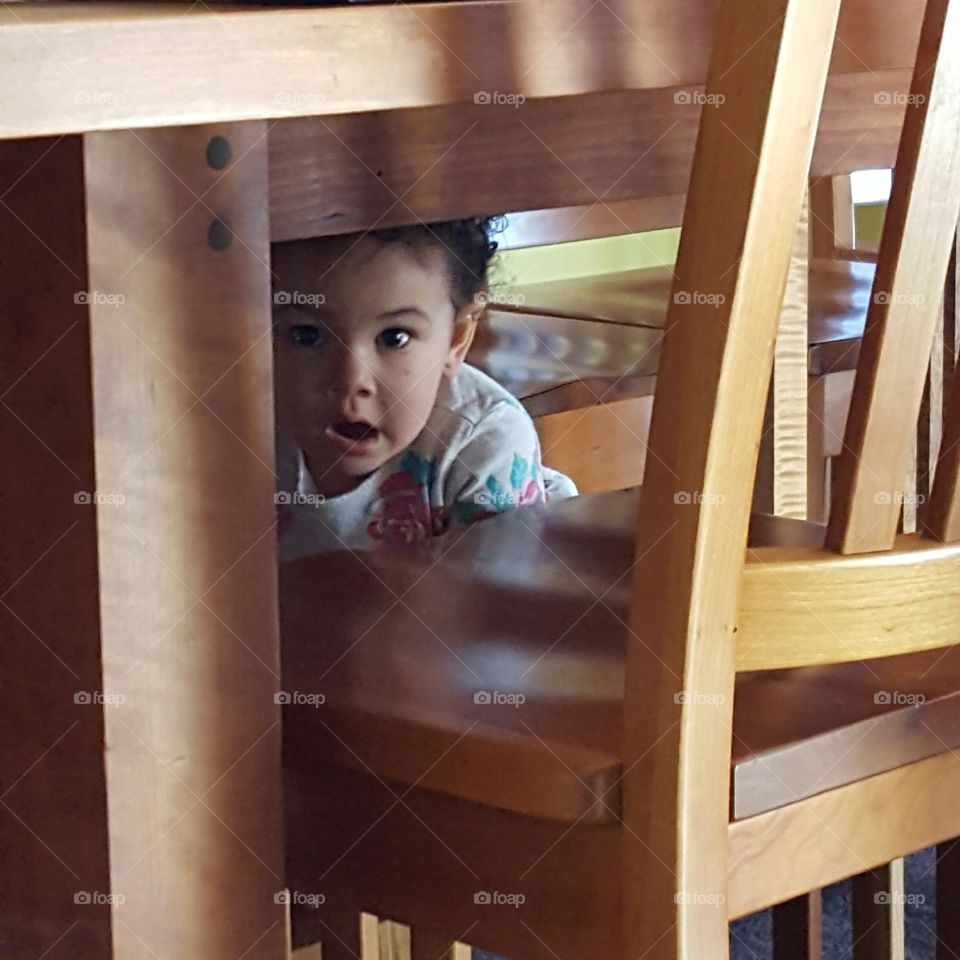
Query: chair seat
{"x": 488, "y": 665}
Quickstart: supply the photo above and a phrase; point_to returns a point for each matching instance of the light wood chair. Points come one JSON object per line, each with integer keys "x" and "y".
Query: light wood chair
{"x": 572, "y": 821}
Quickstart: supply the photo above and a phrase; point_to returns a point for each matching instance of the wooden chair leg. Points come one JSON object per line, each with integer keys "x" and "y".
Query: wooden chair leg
{"x": 389, "y": 940}
{"x": 948, "y": 889}
{"x": 878, "y": 921}
{"x": 798, "y": 928}
{"x": 394, "y": 941}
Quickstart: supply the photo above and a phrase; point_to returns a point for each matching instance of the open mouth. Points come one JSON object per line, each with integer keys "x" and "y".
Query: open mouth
{"x": 355, "y": 432}
{"x": 353, "y": 435}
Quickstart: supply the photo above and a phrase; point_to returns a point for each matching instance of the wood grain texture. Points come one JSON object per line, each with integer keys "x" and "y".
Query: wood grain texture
{"x": 877, "y": 902}
{"x": 783, "y": 447}
{"x": 918, "y": 231}
{"x": 767, "y": 74}
{"x": 535, "y": 228}
{"x": 340, "y": 174}
{"x": 804, "y": 606}
{"x": 182, "y": 354}
{"x": 876, "y": 824}
{"x": 115, "y": 65}
{"x": 53, "y": 816}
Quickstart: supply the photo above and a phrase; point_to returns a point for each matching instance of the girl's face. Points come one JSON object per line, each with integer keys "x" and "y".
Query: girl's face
{"x": 364, "y": 333}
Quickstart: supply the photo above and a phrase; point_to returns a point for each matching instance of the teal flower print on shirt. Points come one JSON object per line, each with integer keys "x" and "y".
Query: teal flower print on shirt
{"x": 496, "y": 498}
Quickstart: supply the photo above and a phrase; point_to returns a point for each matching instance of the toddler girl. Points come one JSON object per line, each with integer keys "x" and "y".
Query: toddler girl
{"x": 384, "y": 432}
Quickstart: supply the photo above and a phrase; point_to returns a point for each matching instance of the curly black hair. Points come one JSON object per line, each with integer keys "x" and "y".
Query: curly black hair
{"x": 467, "y": 244}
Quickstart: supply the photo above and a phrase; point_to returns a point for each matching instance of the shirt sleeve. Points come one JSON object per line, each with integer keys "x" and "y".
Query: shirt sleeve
{"x": 498, "y": 467}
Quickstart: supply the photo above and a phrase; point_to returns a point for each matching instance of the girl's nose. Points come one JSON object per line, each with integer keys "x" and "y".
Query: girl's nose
{"x": 350, "y": 376}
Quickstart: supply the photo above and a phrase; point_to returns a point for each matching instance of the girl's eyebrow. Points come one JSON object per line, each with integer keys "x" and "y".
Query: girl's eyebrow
{"x": 392, "y": 314}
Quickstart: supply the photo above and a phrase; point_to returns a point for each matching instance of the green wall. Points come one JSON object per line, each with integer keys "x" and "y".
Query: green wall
{"x": 586, "y": 258}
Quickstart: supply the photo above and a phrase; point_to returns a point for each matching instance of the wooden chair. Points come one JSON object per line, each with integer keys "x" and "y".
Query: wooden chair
{"x": 615, "y": 819}
{"x": 685, "y": 868}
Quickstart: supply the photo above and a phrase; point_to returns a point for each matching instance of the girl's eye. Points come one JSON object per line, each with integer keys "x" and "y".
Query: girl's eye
{"x": 306, "y": 335}
{"x": 395, "y": 338}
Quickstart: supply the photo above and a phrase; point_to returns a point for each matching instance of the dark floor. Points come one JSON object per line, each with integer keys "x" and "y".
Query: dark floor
{"x": 750, "y": 938}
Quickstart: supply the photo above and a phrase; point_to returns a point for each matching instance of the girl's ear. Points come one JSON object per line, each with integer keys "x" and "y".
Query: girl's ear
{"x": 464, "y": 328}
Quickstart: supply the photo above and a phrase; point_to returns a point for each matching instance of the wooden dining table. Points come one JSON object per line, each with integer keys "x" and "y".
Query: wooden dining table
{"x": 496, "y": 653}
{"x": 567, "y": 342}
{"x": 149, "y": 155}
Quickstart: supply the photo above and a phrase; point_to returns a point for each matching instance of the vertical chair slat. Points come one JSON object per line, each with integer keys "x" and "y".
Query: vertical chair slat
{"x": 877, "y": 902}
{"x": 764, "y": 93}
{"x": 781, "y": 486}
{"x": 911, "y": 267}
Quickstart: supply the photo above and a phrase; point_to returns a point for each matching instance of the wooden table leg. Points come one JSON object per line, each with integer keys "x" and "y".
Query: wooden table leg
{"x": 177, "y": 223}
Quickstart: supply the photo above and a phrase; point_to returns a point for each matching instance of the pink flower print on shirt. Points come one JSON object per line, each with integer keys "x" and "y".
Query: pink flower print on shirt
{"x": 402, "y": 511}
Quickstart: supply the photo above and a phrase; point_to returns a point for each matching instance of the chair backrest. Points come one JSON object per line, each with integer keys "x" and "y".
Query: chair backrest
{"x": 764, "y": 92}
{"x": 601, "y": 447}
{"x": 868, "y": 593}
